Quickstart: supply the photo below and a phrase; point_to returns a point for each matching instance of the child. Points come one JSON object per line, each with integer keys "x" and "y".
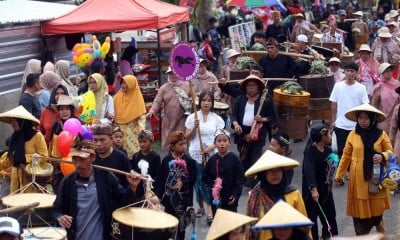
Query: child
{"x": 145, "y": 156}
{"x": 318, "y": 171}
{"x": 118, "y": 139}
{"x": 176, "y": 178}
{"x": 224, "y": 175}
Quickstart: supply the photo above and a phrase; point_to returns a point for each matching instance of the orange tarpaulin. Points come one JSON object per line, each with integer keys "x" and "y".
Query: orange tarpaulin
{"x": 117, "y": 15}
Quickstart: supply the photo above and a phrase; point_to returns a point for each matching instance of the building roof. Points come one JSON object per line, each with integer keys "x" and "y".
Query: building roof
{"x": 22, "y": 11}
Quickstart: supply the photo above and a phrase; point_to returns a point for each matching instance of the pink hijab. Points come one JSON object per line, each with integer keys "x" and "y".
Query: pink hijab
{"x": 49, "y": 80}
{"x": 388, "y": 95}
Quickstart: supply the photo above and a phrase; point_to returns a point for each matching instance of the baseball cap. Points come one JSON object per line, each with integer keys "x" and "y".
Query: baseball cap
{"x": 302, "y": 38}
{"x": 10, "y": 225}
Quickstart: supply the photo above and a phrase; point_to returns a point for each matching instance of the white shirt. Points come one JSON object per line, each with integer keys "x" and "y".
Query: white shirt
{"x": 248, "y": 114}
{"x": 108, "y": 107}
{"x": 347, "y": 97}
{"x": 207, "y": 130}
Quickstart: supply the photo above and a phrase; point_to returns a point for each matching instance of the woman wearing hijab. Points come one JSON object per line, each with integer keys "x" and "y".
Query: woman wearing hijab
{"x": 25, "y": 141}
{"x": 48, "y": 81}
{"x": 271, "y": 170}
{"x": 368, "y": 68}
{"x": 62, "y": 69}
{"x": 32, "y": 66}
{"x": 384, "y": 96}
{"x": 49, "y": 67}
{"x": 66, "y": 109}
{"x": 365, "y": 156}
{"x": 130, "y": 112}
{"x": 104, "y": 102}
{"x": 49, "y": 114}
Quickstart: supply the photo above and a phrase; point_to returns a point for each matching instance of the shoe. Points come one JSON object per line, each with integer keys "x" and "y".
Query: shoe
{"x": 209, "y": 220}
{"x": 200, "y": 212}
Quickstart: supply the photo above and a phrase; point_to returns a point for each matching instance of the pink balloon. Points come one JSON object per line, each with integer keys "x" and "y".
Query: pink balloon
{"x": 73, "y": 126}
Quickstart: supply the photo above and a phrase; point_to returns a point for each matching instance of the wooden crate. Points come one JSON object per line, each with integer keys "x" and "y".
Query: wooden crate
{"x": 296, "y": 128}
{"x": 238, "y": 75}
{"x": 320, "y": 109}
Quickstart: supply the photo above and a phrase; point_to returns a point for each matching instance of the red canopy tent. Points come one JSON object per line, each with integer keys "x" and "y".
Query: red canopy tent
{"x": 117, "y": 15}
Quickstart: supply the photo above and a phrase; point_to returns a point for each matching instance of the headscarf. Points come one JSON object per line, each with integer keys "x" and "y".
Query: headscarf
{"x": 101, "y": 93}
{"x": 49, "y": 80}
{"x": 62, "y": 69}
{"x": 32, "y": 66}
{"x": 53, "y": 101}
{"x": 17, "y": 146}
{"x": 49, "y": 67}
{"x": 388, "y": 95}
{"x": 369, "y": 136}
{"x": 129, "y": 105}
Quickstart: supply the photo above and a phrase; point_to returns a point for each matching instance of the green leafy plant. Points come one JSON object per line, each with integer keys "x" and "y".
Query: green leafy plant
{"x": 318, "y": 67}
{"x": 291, "y": 87}
{"x": 245, "y": 63}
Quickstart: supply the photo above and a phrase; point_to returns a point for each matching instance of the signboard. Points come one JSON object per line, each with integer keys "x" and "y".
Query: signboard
{"x": 240, "y": 35}
{"x": 184, "y": 61}
{"x": 167, "y": 35}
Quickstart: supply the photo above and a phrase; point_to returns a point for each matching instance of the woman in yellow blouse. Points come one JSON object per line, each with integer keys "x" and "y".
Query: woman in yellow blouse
{"x": 25, "y": 141}
{"x": 365, "y": 147}
{"x": 274, "y": 185}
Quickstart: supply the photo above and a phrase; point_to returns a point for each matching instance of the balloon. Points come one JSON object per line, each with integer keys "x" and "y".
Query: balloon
{"x": 105, "y": 48}
{"x": 88, "y": 103}
{"x": 67, "y": 168}
{"x": 73, "y": 126}
{"x": 64, "y": 142}
{"x": 87, "y": 133}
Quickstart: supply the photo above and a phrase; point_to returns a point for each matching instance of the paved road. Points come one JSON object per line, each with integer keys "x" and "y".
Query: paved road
{"x": 345, "y": 224}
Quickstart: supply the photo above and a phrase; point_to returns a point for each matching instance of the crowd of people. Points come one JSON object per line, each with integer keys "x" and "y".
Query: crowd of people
{"x": 200, "y": 164}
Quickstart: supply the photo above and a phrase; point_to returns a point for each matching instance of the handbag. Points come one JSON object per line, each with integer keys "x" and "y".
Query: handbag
{"x": 373, "y": 185}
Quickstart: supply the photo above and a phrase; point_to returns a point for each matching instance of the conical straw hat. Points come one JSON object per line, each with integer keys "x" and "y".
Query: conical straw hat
{"x": 366, "y": 107}
{"x": 17, "y": 112}
{"x": 226, "y": 221}
{"x": 145, "y": 218}
{"x": 282, "y": 215}
{"x": 270, "y": 160}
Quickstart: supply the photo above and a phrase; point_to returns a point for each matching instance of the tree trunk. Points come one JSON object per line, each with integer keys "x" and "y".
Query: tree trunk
{"x": 202, "y": 13}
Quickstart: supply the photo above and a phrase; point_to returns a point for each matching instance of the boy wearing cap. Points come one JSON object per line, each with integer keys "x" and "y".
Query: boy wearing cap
{"x": 87, "y": 197}
{"x": 10, "y": 229}
{"x": 345, "y": 95}
{"x": 334, "y": 69}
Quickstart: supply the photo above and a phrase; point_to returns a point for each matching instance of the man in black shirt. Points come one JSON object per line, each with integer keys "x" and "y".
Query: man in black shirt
{"x": 346, "y": 26}
{"x": 106, "y": 155}
{"x": 28, "y": 99}
{"x": 276, "y": 65}
{"x": 276, "y": 28}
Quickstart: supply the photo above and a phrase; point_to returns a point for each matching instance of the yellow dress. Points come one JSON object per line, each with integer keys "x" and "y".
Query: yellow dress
{"x": 294, "y": 199}
{"x": 36, "y": 144}
{"x": 360, "y": 203}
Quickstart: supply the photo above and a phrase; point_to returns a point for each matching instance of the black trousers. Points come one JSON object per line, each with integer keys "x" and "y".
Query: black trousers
{"x": 363, "y": 226}
{"x": 341, "y": 136}
{"x": 328, "y": 206}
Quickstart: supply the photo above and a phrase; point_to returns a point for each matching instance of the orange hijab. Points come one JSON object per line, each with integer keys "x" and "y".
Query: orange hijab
{"x": 129, "y": 105}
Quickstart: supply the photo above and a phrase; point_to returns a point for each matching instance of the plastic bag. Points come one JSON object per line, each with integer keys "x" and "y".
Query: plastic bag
{"x": 334, "y": 143}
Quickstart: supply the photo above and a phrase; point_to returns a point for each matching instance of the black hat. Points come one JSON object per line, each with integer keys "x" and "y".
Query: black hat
{"x": 351, "y": 65}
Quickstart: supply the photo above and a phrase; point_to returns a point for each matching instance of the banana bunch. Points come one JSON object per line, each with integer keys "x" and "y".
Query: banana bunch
{"x": 291, "y": 87}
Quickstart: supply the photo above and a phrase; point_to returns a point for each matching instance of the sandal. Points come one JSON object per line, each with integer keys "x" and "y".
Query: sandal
{"x": 200, "y": 212}
{"x": 209, "y": 220}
